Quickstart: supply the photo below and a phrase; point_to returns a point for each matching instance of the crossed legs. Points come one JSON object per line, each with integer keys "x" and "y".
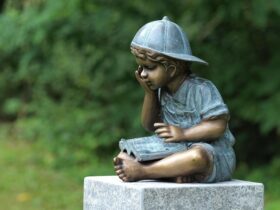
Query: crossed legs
{"x": 195, "y": 162}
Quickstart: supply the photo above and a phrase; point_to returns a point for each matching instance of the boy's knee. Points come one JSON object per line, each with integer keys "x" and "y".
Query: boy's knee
{"x": 200, "y": 157}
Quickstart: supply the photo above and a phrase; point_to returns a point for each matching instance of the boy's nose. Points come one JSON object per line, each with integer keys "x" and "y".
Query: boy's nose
{"x": 144, "y": 74}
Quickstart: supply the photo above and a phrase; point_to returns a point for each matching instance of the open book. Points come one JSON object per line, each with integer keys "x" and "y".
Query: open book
{"x": 150, "y": 148}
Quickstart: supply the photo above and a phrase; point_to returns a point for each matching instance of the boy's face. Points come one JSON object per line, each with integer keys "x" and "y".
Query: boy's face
{"x": 153, "y": 74}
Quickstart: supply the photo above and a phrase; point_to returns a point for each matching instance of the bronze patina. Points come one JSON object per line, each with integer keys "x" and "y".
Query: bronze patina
{"x": 178, "y": 107}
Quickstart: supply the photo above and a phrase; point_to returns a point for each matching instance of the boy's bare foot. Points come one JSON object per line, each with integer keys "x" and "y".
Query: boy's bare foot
{"x": 128, "y": 169}
{"x": 125, "y": 156}
{"x": 179, "y": 179}
{"x": 183, "y": 179}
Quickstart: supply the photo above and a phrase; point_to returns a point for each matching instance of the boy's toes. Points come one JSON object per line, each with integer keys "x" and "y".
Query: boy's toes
{"x": 118, "y": 167}
{"x": 179, "y": 179}
{"x": 186, "y": 179}
{"x": 117, "y": 161}
{"x": 121, "y": 176}
{"x": 183, "y": 179}
{"x": 125, "y": 179}
{"x": 119, "y": 172}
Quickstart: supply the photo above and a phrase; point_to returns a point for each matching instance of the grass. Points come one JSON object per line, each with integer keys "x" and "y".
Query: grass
{"x": 29, "y": 182}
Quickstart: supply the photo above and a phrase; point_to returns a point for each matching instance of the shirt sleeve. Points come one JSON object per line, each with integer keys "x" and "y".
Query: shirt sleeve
{"x": 210, "y": 102}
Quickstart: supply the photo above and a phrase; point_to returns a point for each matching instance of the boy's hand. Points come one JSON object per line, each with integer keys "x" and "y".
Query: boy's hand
{"x": 141, "y": 81}
{"x": 170, "y": 133}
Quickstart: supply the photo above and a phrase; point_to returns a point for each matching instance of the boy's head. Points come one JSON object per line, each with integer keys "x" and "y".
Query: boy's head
{"x": 163, "y": 38}
{"x": 158, "y": 70}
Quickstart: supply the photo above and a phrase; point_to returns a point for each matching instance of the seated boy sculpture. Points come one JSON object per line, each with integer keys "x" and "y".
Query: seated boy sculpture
{"x": 178, "y": 106}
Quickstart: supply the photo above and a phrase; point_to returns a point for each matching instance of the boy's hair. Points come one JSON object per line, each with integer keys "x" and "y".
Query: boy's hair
{"x": 160, "y": 58}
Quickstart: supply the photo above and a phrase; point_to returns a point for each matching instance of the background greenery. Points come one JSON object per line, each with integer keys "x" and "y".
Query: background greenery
{"x": 68, "y": 92}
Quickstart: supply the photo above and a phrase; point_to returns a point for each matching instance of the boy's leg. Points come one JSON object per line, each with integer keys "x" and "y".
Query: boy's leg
{"x": 193, "y": 162}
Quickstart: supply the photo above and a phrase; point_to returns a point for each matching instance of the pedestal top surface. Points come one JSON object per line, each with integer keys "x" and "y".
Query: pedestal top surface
{"x": 158, "y": 184}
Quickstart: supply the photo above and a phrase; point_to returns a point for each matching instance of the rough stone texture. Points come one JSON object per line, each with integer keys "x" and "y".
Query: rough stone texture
{"x": 110, "y": 193}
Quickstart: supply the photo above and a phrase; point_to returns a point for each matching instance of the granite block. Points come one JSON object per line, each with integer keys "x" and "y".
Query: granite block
{"x": 110, "y": 193}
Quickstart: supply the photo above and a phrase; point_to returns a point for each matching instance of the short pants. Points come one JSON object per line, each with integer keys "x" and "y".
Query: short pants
{"x": 223, "y": 161}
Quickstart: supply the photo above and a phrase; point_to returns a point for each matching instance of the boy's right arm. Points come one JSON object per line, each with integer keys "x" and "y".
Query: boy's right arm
{"x": 151, "y": 107}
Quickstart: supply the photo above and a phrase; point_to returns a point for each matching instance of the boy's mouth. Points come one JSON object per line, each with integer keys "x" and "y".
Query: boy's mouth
{"x": 149, "y": 83}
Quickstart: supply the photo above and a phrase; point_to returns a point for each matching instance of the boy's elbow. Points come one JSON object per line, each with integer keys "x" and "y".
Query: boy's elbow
{"x": 219, "y": 132}
{"x": 215, "y": 128}
{"x": 219, "y": 128}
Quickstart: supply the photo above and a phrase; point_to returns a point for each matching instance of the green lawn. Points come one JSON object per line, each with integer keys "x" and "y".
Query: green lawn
{"x": 29, "y": 182}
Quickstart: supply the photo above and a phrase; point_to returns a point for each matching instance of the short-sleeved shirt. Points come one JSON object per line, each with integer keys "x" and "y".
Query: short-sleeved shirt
{"x": 198, "y": 99}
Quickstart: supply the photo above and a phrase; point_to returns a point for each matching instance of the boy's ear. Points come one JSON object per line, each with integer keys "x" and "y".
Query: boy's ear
{"x": 172, "y": 70}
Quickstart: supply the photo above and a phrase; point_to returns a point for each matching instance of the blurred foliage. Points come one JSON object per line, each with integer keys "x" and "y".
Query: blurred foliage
{"x": 67, "y": 75}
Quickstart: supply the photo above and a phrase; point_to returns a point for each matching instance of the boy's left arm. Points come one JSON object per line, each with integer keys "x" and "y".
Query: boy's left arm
{"x": 209, "y": 130}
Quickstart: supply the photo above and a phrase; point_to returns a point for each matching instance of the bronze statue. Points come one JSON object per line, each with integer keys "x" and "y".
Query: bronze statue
{"x": 184, "y": 111}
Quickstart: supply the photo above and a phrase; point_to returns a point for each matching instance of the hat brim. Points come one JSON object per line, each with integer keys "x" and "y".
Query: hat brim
{"x": 184, "y": 57}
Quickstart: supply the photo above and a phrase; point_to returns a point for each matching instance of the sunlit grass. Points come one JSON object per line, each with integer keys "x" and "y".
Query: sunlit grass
{"x": 27, "y": 182}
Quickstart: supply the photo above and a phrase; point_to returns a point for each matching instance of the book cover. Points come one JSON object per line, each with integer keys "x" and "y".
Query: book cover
{"x": 150, "y": 148}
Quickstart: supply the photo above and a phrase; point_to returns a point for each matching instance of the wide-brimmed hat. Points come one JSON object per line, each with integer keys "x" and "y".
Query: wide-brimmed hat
{"x": 167, "y": 38}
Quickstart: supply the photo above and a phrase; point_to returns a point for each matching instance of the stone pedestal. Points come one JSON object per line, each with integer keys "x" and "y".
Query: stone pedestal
{"x": 110, "y": 193}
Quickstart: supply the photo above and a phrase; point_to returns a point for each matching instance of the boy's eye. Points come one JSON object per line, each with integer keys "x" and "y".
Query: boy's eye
{"x": 152, "y": 67}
